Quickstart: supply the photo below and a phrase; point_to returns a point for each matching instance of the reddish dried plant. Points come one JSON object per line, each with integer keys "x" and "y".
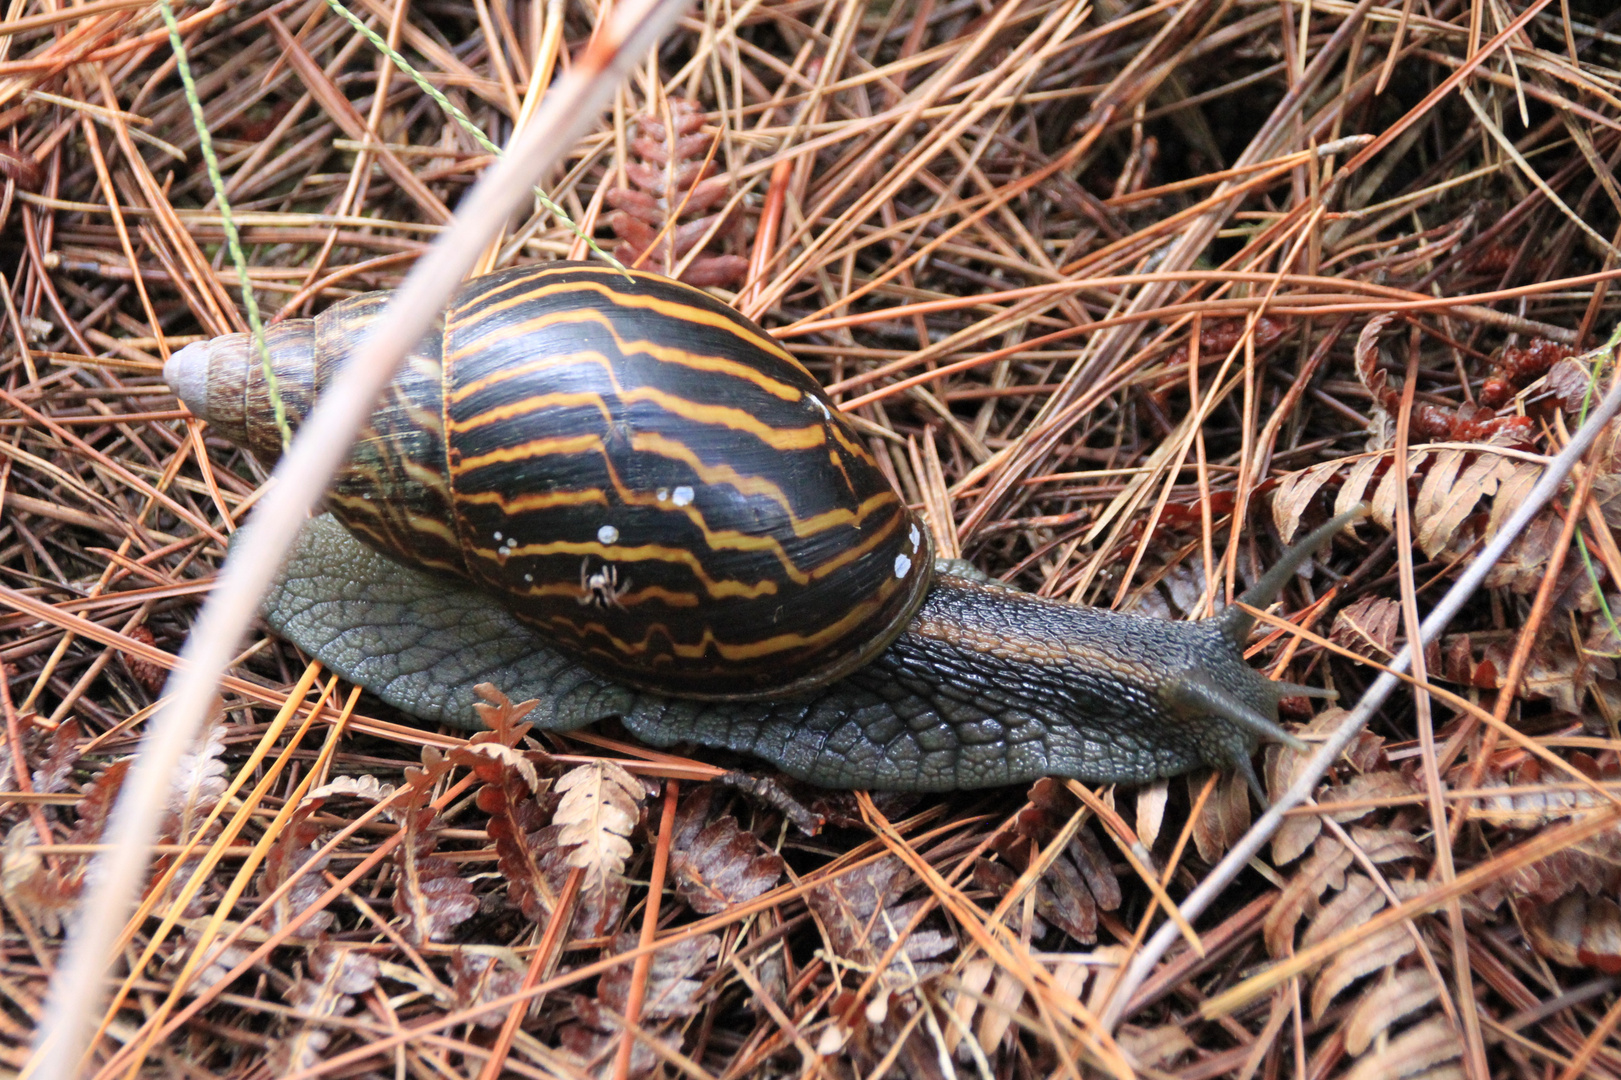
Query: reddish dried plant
{"x": 672, "y": 207}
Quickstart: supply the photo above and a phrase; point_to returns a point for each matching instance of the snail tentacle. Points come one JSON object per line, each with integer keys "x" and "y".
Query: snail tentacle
{"x": 1237, "y": 623}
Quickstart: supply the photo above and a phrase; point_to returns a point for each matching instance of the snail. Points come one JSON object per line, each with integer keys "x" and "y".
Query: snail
{"x": 685, "y": 533}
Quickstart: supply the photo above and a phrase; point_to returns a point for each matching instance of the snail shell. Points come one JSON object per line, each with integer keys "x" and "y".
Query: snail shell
{"x": 683, "y": 532}
{"x": 632, "y": 467}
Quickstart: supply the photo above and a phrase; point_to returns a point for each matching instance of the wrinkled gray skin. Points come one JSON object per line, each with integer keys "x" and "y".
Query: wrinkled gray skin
{"x": 1118, "y": 698}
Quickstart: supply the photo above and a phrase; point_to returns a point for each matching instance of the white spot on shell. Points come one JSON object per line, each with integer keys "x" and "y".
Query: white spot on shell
{"x": 915, "y": 536}
{"x": 530, "y": 578}
{"x": 903, "y": 564}
{"x": 497, "y": 537}
{"x": 607, "y": 534}
{"x": 663, "y": 495}
{"x": 683, "y": 495}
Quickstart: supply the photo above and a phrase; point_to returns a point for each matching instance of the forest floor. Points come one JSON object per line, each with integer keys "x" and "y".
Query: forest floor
{"x": 1123, "y": 297}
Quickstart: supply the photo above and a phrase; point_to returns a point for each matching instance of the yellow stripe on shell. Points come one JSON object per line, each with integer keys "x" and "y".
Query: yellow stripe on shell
{"x": 628, "y": 598}
{"x": 667, "y": 354}
{"x": 725, "y": 416}
{"x": 752, "y": 650}
{"x": 607, "y": 283}
{"x": 512, "y": 505}
{"x": 715, "y": 587}
{"x": 714, "y": 540}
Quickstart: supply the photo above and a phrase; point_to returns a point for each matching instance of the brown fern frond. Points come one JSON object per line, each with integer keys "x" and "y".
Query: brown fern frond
{"x": 671, "y": 207}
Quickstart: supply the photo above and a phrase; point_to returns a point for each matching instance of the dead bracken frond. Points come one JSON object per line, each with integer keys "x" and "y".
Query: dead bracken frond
{"x": 715, "y": 862}
{"x": 1121, "y": 296}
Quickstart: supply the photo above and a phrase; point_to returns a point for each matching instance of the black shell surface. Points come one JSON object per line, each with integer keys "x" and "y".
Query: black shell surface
{"x": 654, "y": 482}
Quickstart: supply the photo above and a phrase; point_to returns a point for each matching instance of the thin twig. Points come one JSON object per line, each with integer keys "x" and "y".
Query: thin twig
{"x": 298, "y": 482}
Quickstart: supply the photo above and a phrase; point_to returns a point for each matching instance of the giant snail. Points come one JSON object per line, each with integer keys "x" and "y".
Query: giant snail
{"x": 682, "y": 531}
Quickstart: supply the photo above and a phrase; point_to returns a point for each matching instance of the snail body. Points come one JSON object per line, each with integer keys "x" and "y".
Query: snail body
{"x": 683, "y": 532}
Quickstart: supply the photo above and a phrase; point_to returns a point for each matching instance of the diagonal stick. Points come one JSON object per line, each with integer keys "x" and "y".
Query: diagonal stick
{"x": 1142, "y": 965}
{"x": 571, "y": 107}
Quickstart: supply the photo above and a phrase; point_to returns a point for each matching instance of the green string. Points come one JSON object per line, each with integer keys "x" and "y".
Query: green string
{"x": 232, "y": 240}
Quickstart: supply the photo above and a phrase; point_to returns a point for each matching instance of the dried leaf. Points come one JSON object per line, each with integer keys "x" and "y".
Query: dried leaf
{"x": 1156, "y": 1047}
{"x": 493, "y": 763}
{"x": 671, "y": 993}
{"x": 477, "y": 978}
{"x": 1383, "y": 846}
{"x": 1323, "y": 870}
{"x": 601, "y": 803}
{"x": 1368, "y": 371}
{"x": 1368, "y": 954}
{"x": 430, "y": 895}
{"x": 999, "y": 1012}
{"x": 97, "y": 802}
{"x": 599, "y": 906}
{"x": 500, "y": 717}
{"x": 517, "y": 817}
{"x": 28, "y": 886}
{"x": 1225, "y": 817}
{"x": 1358, "y": 902}
{"x": 1557, "y": 875}
{"x": 420, "y": 780}
{"x": 1295, "y": 493}
{"x": 1576, "y": 931}
{"x": 219, "y": 962}
{"x": 199, "y": 783}
{"x": 1403, "y": 993}
{"x": 673, "y": 980}
{"x": 1360, "y": 795}
{"x": 293, "y": 849}
{"x": 65, "y": 881}
{"x": 60, "y": 758}
{"x": 720, "y": 864}
{"x": 861, "y": 913}
{"x": 1511, "y": 493}
{"x": 1368, "y": 627}
{"x": 1440, "y": 522}
{"x": 1079, "y": 882}
{"x": 1363, "y": 469}
{"x": 1438, "y": 482}
{"x": 1283, "y": 767}
{"x": 1095, "y": 869}
{"x": 366, "y": 788}
{"x": 965, "y": 997}
{"x": 1392, "y": 489}
{"x": 1151, "y": 801}
{"x": 340, "y": 973}
{"x": 1521, "y": 568}
{"x": 1572, "y": 385}
{"x": 666, "y": 218}
{"x": 1414, "y": 1050}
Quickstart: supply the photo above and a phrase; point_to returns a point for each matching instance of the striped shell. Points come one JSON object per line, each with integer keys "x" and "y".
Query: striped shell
{"x": 631, "y": 466}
